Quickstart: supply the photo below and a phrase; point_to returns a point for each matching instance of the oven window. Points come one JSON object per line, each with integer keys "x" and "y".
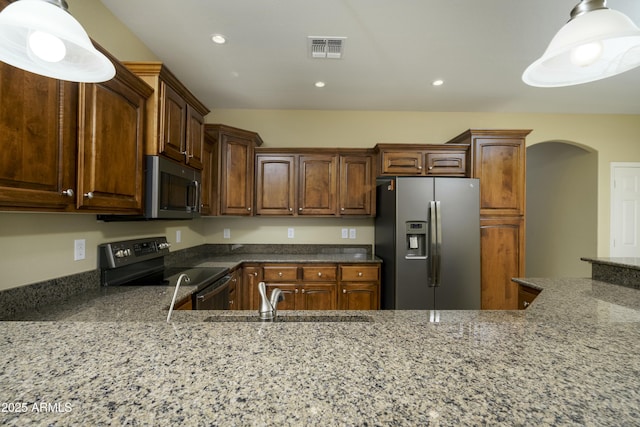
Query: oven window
{"x": 174, "y": 192}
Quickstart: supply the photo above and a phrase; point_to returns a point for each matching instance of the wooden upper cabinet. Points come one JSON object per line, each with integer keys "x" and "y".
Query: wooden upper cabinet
{"x": 317, "y": 184}
{"x": 110, "y": 143}
{"x": 357, "y": 184}
{"x": 423, "y": 160}
{"x": 231, "y": 174}
{"x": 275, "y": 184}
{"x": 38, "y": 136}
{"x": 314, "y": 182}
{"x": 499, "y": 161}
{"x": 175, "y": 120}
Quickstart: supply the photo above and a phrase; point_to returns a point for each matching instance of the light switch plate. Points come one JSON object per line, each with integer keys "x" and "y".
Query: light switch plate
{"x": 352, "y": 233}
{"x": 345, "y": 233}
{"x": 178, "y": 236}
{"x": 226, "y": 233}
{"x": 290, "y": 233}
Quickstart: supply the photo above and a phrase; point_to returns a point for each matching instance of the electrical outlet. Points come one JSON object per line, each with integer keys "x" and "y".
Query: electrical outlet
{"x": 352, "y": 233}
{"x": 178, "y": 236}
{"x": 79, "y": 249}
{"x": 345, "y": 233}
{"x": 226, "y": 233}
{"x": 290, "y": 233}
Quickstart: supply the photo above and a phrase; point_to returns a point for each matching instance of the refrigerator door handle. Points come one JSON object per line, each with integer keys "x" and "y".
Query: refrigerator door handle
{"x": 438, "y": 271}
{"x": 433, "y": 245}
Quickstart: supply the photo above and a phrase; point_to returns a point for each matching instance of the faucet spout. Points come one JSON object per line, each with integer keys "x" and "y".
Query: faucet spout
{"x": 268, "y": 307}
{"x": 182, "y": 277}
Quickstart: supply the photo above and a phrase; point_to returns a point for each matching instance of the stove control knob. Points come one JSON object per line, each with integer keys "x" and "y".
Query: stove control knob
{"x": 119, "y": 253}
{"x": 127, "y": 252}
{"x": 164, "y": 245}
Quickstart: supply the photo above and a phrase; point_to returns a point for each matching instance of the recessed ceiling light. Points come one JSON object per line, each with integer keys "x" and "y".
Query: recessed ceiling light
{"x": 438, "y": 82}
{"x": 219, "y": 39}
{"x": 319, "y": 84}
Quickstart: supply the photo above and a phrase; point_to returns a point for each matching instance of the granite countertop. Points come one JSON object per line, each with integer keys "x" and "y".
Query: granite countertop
{"x": 626, "y": 262}
{"x": 233, "y": 260}
{"x": 569, "y": 359}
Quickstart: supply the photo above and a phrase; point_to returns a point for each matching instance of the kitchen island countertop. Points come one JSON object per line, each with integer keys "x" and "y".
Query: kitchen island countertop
{"x": 569, "y": 359}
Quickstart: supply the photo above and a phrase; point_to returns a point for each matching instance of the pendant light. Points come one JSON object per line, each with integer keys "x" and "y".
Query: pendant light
{"x": 596, "y": 43}
{"x": 42, "y": 37}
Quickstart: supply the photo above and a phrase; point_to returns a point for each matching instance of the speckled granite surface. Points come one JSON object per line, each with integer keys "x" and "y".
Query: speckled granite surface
{"x": 621, "y": 271}
{"x": 570, "y": 359}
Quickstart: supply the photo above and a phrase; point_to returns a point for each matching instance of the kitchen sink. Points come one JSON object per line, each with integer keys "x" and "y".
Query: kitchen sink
{"x": 292, "y": 318}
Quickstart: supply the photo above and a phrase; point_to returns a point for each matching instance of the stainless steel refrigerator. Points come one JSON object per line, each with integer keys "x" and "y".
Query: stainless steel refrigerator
{"x": 427, "y": 232}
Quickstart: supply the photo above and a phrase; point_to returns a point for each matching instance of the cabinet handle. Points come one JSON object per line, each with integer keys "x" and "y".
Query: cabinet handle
{"x": 68, "y": 192}
{"x": 89, "y": 195}
{"x": 254, "y": 274}
{"x": 344, "y": 291}
{"x": 526, "y": 304}
{"x": 249, "y": 209}
{"x": 319, "y": 274}
{"x": 342, "y": 209}
{"x": 279, "y": 273}
{"x": 290, "y": 209}
{"x": 359, "y": 273}
{"x": 420, "y": 168}
{"x": 296, "y": 291}
{"x": 430, "y": 167}
{"x": 303, "y": 291}
{"x": 299, "y": 209}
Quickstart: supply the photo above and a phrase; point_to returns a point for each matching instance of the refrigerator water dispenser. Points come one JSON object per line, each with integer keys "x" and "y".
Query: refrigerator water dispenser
{"x": 416, "y": 240}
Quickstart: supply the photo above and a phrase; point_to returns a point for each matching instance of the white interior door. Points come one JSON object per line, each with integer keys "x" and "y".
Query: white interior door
{"x": 625, "y": 210}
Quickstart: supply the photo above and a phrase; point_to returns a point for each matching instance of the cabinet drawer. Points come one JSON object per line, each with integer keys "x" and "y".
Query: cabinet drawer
{"x": 450, "y": 163}
{"x": 319, "y": 273}
{"x": 401, "y": 163}
{"x": 280, "y": 273}
{"x": 359, "y": 273}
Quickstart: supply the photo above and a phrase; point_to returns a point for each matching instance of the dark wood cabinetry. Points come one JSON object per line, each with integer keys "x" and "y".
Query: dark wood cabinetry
{"x": 314, "y": 182}
{"x": 423, "y": 160}
{"x": 498, "y": 160}
{"x": 321, "y": 286}
{"x": 175, "y": 117}
{"x": 70, "y": 146}
{"x": 228, "y": 172}
{"x": 110, "y": 145}
{"x": 526, "y": 295}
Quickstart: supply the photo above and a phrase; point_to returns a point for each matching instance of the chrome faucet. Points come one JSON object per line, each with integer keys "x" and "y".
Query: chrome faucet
{"x": 269, "y": 307}
{"x": 187, "y": 279}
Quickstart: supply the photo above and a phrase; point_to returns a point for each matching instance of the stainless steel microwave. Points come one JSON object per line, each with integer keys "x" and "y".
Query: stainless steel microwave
{"x": 172, "y": 190}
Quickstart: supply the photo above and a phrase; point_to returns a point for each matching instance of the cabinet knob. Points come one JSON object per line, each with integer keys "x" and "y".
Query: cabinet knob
{"x": 249, "y": 208}
{"x": 420, "y": 168}
{"x": 290, "y": 209}
{"x": 344, "y": 291}
{"x": 303, "y": 291}
{"x": 299, "y": 209}
{"x": 296, "y": 291}
{"x": 430, "y": 167}
{"x": 89, "y": 195}
{"x": 68, "y": 192}
{"x": 279, "y": 273}
{"x": 254, "y": 274}
{"x": 359, "y": 273}
{"x": 526, "y": 304}
{"x": 319, "y": 274}
{"x": 342, "y": 209}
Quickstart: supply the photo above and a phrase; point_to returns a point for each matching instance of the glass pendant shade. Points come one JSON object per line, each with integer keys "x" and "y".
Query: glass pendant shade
{"x": 592, "y": 46}
{"x": 45, "y": 39}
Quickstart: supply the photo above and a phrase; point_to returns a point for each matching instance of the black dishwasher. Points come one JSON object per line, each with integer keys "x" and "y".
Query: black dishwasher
{"x": 214, "y": 296}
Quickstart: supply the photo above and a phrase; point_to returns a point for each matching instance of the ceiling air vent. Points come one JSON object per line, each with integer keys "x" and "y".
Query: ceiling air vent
{"x": 326, "y": 47}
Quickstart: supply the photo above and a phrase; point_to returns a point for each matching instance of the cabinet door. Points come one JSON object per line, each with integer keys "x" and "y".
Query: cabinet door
{"x": 194, "y": 138}
{"x": 236, "y": 164}
{"x": 356, "y": 185}
{"x": 275, "y": 185}
{"x": 501, "y": 258}
{"x": 500, "y": 165}
{"x": 317, "y": 297}
{"x": 38, "y": 134}
{"x": 110, "y": 148}
{"x": 209, "y": 172}
{"x": 317, "y": 185}
{"x": 401, "y": 162}
{"x": 290, "y": 292}
{"x": 359, "y": 296}
{"x": 235, "y": 290}
{"x": 173, "y": 117}
{"x": 251, "y": 276}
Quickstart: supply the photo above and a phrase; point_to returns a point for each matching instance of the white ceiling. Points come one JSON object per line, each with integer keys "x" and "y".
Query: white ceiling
{"x": 394, "y": 50}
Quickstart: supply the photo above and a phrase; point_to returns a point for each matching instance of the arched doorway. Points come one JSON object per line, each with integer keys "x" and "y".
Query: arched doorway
{"x": 561, "y": 227}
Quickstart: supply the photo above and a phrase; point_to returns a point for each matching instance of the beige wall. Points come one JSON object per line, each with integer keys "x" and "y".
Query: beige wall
{"x": 37, "y": 246}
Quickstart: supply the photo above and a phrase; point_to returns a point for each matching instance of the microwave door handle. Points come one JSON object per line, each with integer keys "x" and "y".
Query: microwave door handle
{"x": 196, "y": 196}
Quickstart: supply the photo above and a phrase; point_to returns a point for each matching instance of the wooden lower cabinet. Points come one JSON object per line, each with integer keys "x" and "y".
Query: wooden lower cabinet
{"x": 317, "y": 286}
{"x": 235, "y": 290}
{"x": 502, "y": 242}
{"x": 526, "y": 295}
